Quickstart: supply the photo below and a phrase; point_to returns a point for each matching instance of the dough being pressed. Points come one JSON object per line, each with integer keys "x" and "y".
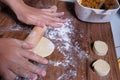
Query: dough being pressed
{"x": 100, "y": 48}
{"x": 44, "y": 47}
{"x": 101, "y": 67}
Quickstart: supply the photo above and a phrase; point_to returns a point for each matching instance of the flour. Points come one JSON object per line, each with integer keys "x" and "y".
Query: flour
{"x": 68, "y": 75}
{"x": 82, "y": 55}
{"x": 17, "y": 27}
{"x": 68, "y": 48}
{"x": 61, "y": 35}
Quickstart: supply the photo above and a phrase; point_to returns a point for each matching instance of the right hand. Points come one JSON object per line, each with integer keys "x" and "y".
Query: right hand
{"x": 14, "y": 56}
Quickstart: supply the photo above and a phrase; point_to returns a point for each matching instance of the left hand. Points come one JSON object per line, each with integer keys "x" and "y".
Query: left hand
{"x": 14, "y": 60}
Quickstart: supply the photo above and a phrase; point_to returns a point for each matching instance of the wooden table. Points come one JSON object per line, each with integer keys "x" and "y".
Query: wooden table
{"x": 73, "y": 55}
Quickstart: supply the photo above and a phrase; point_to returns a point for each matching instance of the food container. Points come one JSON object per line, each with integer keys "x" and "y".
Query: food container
{"x": 94, "y": 15}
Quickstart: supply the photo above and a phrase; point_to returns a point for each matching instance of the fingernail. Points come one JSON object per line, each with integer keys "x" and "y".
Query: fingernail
{"x": 43, "y": 73}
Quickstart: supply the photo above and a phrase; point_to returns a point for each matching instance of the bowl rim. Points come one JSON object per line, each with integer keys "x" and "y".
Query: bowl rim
{"x": 79, "y": 3}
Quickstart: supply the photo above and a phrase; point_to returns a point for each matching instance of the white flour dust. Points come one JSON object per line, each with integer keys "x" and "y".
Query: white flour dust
{"x": 17, "y": 27}
{"x": 68, "y": 48}
{"x": 62, "y": 35}
{"x": 67, "y": 75}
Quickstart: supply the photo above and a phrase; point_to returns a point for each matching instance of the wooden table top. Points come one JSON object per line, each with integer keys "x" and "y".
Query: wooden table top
{"x": 73, "y": 54}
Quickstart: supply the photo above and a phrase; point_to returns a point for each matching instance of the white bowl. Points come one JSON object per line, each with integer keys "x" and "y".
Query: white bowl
{"x": 94, "y": 15}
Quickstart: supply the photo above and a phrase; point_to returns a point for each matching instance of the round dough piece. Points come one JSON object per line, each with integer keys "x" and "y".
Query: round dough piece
{"x": 44, "y": 47}
{"x": 100, "y": 48}
{"x": 101, "y": 67}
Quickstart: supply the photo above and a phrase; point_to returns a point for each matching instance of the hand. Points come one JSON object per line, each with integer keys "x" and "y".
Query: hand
{"x": 34, "y": 16}
{"x": 14, "y": 56}
{"x": 40, "y": 17}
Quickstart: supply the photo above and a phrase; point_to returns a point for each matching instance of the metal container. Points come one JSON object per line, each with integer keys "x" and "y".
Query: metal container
{"x": 94, "y": 15}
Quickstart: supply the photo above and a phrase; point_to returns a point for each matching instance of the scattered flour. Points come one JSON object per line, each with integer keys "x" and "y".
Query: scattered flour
{"x": 69, "y": 48}
{"x": 68, "y": 75}
{"x": 17, "y": 27}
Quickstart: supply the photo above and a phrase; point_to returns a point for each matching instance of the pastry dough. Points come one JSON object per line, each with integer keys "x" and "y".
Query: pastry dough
{"x": 101, "y": 67}
{"x": 44, "y": 47}
{"x": 100, "y": 48}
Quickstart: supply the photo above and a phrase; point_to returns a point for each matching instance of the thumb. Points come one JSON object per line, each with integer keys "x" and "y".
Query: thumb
{"x": 26, "y": 45}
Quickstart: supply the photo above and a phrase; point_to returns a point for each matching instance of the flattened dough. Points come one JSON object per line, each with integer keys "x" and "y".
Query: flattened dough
{"x": 44, "y": 47}
{"x": 101, "y": 67}
{"x": 100, "y": 48}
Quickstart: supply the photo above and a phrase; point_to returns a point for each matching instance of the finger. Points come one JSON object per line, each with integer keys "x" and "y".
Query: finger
{"x": 50, "y": 19}
{"x": 48, "y": 10}
{"x": 53, "y": 23}
{"x": 40, "y": 24}
{"x": 32, "y": 56}
{"x": 52, "y": 9}
{"x": 35, "y": 69}
{"x": 26, "y": 65}
{"x": 56, "y": 25}
{"x": 22, "y": 72}
{"x": 23, "y": 44}
{"x": 55, "y": 19}
{"x": 8, "y": 75}
{"x": 57, "y": 14}
{"x": 27, "y": 74}
{"x": 26, "y": 45}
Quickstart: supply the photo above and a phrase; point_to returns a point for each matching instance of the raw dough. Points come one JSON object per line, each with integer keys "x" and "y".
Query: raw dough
{"x": 101, "y": 67}
{"x": 100, "y": 48}
{"x": 44, "y": 47}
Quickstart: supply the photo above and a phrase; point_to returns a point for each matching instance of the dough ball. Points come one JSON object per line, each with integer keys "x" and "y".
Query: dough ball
{"x": 44, "y": 47}
{"x": 101, "y": 67}
{"x": 100, "y": 48}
